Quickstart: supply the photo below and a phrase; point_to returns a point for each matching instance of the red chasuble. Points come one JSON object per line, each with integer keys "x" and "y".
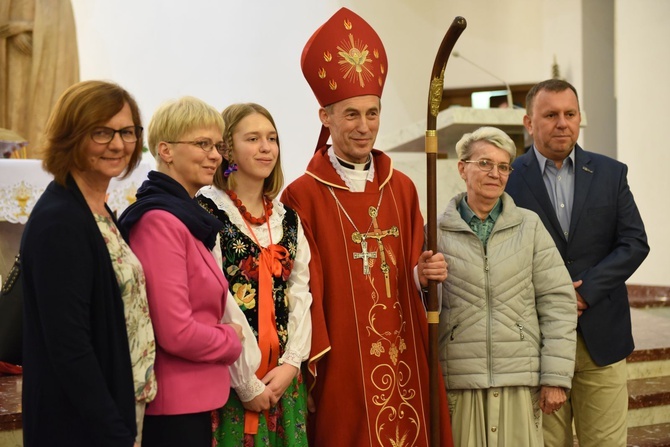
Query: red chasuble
{"x": 371, "y": 386}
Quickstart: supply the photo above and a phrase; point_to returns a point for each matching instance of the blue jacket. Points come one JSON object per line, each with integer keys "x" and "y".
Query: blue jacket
{"x": 606, "y": 243}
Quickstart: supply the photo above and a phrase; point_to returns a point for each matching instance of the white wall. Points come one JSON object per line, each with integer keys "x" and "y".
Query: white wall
{"x": 643, "y": 97}
{"x": 221, "y": 52}
{"x": 226, "y": 52}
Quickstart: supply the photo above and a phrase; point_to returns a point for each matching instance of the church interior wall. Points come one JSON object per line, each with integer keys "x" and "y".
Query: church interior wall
{"x": 226, "y": 52}
{"x": 642, "y": 90}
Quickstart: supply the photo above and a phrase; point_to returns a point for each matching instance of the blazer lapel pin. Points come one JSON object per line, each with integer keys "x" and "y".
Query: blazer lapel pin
{"x": 587, "y": 169}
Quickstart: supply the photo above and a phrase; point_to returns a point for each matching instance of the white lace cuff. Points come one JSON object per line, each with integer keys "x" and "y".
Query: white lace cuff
{"x": 293, "y": 358}
{"x": 248, "y": 390}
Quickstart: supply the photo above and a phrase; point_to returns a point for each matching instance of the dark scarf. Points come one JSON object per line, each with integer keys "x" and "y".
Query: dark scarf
{"x": 162, "y": 192}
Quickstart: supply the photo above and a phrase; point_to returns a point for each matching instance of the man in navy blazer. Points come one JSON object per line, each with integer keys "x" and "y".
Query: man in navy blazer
{"x": 585, "y": 203}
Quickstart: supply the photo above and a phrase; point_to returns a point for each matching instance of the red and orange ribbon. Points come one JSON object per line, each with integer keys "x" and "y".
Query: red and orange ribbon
{"x": 269, "y": 266}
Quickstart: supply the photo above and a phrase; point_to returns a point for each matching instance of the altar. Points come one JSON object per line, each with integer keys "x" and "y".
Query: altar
{"x": 22, "y": 182}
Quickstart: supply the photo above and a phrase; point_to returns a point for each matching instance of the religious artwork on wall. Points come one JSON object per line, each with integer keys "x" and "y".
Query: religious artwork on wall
{"x": 38, "y": 61}
{"x": 12, "y": 145}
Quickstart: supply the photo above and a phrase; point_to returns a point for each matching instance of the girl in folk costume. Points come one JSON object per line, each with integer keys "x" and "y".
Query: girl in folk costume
{"x": 265, "y": 258}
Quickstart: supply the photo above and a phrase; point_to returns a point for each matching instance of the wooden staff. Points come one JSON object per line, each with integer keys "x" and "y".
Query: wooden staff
{"x": 434, "y": 100}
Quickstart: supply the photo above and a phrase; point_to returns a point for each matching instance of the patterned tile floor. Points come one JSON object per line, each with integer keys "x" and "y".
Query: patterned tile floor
{"x": 651, "y": 330}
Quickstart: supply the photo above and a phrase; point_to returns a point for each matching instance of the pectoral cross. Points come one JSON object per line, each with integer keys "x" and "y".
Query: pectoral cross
{"x": 377, "y": 234}
{"x": 364, "y": 254}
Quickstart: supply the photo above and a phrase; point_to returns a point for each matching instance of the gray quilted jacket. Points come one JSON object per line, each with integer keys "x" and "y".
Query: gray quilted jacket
{"x": 509, "y": 313}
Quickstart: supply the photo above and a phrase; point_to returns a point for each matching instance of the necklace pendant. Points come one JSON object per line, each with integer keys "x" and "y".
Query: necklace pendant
{"x": 365, "y": 255}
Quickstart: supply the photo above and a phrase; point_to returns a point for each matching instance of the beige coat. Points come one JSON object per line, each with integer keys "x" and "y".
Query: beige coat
{"x": 509, "y": 311}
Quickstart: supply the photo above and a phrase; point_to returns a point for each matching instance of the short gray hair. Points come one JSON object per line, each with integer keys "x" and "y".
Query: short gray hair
{"x": 492, "y": 135}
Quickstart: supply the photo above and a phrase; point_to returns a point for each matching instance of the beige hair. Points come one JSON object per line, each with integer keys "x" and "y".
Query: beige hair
{"x": 493, "y": 135}
{"x": 175, "y": 118}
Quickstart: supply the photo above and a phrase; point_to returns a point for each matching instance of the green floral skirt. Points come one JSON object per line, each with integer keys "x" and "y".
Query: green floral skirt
{"x": 285, "y": 425}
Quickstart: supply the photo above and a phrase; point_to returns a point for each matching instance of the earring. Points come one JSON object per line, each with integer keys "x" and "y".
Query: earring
{"x": 232, "y": 167}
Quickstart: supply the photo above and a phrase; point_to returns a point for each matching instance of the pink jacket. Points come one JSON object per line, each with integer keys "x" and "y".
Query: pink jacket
{"x": 187, "y": 293}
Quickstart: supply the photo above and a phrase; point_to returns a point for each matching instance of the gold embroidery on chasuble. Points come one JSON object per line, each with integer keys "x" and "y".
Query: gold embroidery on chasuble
{"x": 385, "y": 335}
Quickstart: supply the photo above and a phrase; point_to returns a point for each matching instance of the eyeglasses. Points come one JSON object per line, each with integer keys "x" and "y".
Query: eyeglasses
{"x": 104, "y": 135}
{"x": 205, "y": 144}
{"x": 488, "y": 165}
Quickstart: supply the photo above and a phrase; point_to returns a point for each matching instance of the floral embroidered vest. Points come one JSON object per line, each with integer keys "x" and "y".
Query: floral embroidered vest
{"x": 240, "y": 266}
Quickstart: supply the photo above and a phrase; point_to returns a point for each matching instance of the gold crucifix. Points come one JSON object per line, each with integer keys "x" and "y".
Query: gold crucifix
{"x": 377, "y": 234}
